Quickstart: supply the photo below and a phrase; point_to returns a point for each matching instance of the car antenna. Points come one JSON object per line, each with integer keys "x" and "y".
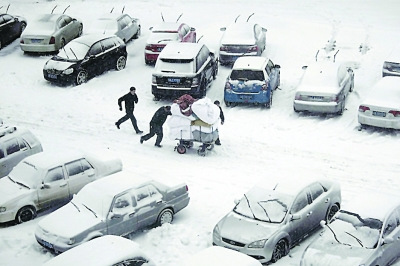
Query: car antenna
{"x": 275, "y": 186}
{"x": 200, "y": 38}
{"x": 249, "y": 17}
{"x": 162, "y": 17}
{"x": 66, "y": 8}
{"x": 334, "y": 56}
{"x": 112, "y": 10}
{"x": 179, "y": 17}
{"x": 316, "y": 56}
{"x": 123, "y": 10}
{"x": 7, "y": 8}
{"x": 237, "y": 18}
{"x": 53, "y": 9}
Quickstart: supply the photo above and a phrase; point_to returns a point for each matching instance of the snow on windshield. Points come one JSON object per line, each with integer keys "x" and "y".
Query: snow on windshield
{"x": 26, "y": 174}
{"x": 95, "y": 200}
{"x": 74, "y": 50}
{"x": 162, "y": 36}
{"x": 265, "y": 205}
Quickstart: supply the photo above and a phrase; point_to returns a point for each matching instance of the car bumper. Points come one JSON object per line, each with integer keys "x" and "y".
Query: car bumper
{"x": 386, "y": 72}
{"x": 7, "y": 216}
{"x": 38, "y": 48}
{"x": 56, "y": 248}
{"x": 230, "y": 58}
{"x": 59, "y": 78}
{"x": 316, "y": 107}
{"x": 170, "y": 92}
{"x": 150, "y": 56}
{"x": 256, "y": 98}
{"x": 376, "y": 121}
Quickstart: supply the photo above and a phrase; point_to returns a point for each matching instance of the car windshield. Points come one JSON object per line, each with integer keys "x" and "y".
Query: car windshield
{"x": 246, "y": 75}
{"x": 93, "y": 200}
{"x": 175, "y": 65}
{"x": 74, "y": 50}
{"x": 26, "y": 174}
{"x": 353, "y": 230}
{"x": 264, "y": 205}
{"x": 163, "y": 36}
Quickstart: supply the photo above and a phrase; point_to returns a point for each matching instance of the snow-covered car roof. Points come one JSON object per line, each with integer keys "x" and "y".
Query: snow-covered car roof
{"x": 90, "y": 39}
{"x": 385, "y": 93}
{"x": 289, "y": 188}
{"x": 180, "y": 50}
{"x": 48, "y": 159}
{"x": 250, "y": 62}
{"x": 239, "y": 33}
{"x": 101, "y": 251}
{"x": 166, "y": 27}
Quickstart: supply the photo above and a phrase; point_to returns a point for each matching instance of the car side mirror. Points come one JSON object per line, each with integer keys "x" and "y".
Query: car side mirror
{"x": 114, "y": 216}
{"x": 236, "y": 201}
{"x": 387, "y": 240}
{"x": 295, "y": 217}
{"x": 304, "y": 67}
{"x": 322, "y": 223}
{"x": 223, "y": 29}
{"x": 264, "y": 29}
{"x": 192, "y": 29}
{"x": 277, "y": 66}
{"x": 150, "y": 28}
{"x": 45, "y": 186}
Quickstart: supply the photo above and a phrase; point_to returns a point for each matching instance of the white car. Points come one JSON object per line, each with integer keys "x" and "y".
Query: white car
{"x": 47, "y": 179}
{"x": 122, "y": 25}
{"x": 381, "y": 108}
{"x": 324, "y": 88}
{"x": 391, "y": 66}
{"x": 116, "y": 205}
{"x": 218, "y": 256}
{"x": 103, "y": 251}
{"x": 367, "y": 234}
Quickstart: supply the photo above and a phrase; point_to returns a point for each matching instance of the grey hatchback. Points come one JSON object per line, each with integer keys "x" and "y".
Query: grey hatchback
{"x": 15, "y": 145}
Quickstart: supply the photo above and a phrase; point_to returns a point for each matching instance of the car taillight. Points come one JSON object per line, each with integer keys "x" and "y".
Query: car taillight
{"x": 253, "y": 48}
{"x": 52, "y": 40}
{"x": 228, "y": 85}
{"x": 335, "y": 98}
{"x": 223, "y": 48}
{"x": 297, "y": 96}
{"x": 148, "y": 47}
{"x": 394, "y": 113}
{"x": 187, "y": 188}
{"x": 363, "y": 108}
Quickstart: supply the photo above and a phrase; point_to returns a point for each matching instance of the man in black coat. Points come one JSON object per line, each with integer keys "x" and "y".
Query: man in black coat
{"x": 130, "y": 99}
{"x": 222, "y": 117}
{"x": 156, "y": 125}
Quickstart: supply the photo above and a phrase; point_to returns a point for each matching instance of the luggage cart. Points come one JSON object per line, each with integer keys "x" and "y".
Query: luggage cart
{"x": 206, "y": 139}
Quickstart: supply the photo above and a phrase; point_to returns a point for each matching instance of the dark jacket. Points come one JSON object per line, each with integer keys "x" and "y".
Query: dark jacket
{"x": 160, "y": 116}
{"x": 129, "y": 100}
{"x": 221, "y": 114}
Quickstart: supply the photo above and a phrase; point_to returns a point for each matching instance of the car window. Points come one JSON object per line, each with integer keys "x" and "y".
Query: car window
{"x": 1, "y": 153}
{"x": 269, "y": 67}
{"x": 300, "y": 202}
{"x": 6, "y": 18}
{"x": 202, "y": 57}
{"x": 184, "y": 30}
{"x": 122, "y": 23}
{"x": 54, "y": 174}
{"x": 95, "y": 49}
{"x": 123, "y": 201}
{"x": 247, "y": 75}
{"x": 142, "y": 193}
{"x": 74, "y": 168}
{"x": 12, "y": 146}
{"x": 108, "y": 44}
{"x": 67, "y": 20}
{"x": 316, "y": 190}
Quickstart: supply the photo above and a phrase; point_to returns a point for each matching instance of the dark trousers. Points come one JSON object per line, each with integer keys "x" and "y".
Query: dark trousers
{"x": 129, "y": 115}
{"x": 154, "y": 130}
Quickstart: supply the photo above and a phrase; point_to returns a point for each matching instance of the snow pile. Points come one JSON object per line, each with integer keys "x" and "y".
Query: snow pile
{"x": 194, "y": 119}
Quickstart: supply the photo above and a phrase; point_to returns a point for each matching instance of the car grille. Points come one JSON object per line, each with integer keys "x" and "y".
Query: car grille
{"x": 175, "y": 82}
{"x": 232, "y": 242}
{"x": 53, "y": 71}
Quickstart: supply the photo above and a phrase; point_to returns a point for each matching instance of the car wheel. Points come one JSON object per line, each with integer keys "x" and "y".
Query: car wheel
{"x": 62, "y": 43}
{"x": 340, "y": 112}
{"x": 331, "y": 212}
{"x": 166, "y": 216}
{"x": 81, "y": 77}
{"x": 269, "y": 103}
{"x": 25, "y": 214}
{"x": 22, "y": 28}
{"x": 280, "y": 250}
{"x": 228, "y": 104}
{"x": 181, "y": 149}
{"x": 1, "y": 44}
{"x": 121, "y": 63}
{"x": 137, "y": 33}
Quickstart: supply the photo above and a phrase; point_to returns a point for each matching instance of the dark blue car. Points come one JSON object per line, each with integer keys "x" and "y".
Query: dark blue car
{"x": 252, "y": 80}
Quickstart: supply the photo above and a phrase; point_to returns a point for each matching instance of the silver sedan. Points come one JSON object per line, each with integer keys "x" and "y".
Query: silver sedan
{"x": 272, "y": 219}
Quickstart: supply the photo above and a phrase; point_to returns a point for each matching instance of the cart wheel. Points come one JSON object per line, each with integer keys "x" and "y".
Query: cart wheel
{"x": 181, "y": 149}
{"x": 189, "y": 145}
{"x": 210, "y": 147}
{"x": 201, "y": 153}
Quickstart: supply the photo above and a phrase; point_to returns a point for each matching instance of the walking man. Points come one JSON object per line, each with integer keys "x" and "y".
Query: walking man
{"x": 222, "y": 117}
{"x": 130, "y": 99}
{"x": 156, "y": 125}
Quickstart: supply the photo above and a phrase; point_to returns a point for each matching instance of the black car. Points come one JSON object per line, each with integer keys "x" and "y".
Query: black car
{"x": 11, "y": 28}
{"x": 84, "y": 58}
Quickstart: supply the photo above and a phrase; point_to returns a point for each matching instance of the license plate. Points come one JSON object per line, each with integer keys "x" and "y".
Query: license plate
{"x": 47, "y": 244}
{"x": 245, "y": 97}
{"x": 36, "y": 40}
{"x": 52, "y": 76}
{"x": 159, "y": 49}
{"x": 316, "y": 97}
{"x": 376, "y": 113}
{"x": 174, "y": 80}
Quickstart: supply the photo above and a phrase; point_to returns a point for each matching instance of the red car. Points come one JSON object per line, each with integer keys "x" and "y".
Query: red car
{"x": 165, "y": 33}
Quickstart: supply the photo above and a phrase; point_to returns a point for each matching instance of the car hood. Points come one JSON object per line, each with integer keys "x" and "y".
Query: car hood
{"x": 78, "y": 221}
{"x": 10, "y": 191}
{"x": 58, "y": 65}
{"x": 335, "y": 254}
{"x": 250, "y": 229}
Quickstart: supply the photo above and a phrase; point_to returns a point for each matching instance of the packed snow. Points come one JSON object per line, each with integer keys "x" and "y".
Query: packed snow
{"x": 258, "y": 144}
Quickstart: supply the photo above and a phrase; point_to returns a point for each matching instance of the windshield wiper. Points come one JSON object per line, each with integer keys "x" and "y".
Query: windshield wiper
{"x": 65, "y": 51}
{"x": 21, "y": 184}
{"x": 76, "y": 206}
{"x": 248, "y": 203}
{"x": 265, "y": 210}
{"x": 90, "y": 210}
{"x": 73, "y": 53}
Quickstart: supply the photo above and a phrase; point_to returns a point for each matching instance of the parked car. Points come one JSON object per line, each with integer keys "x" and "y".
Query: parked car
{"x": 122, "y": 25}
{"x": 253, "y": 79}
{"x": 216, "y": 256}
{"x": 11, "y": 28}
{"x": 324, "y": 88}
{"x": 116, "y": 205}
{"x": 15, "y": 145}
{"x": 381, "y": 107}
{"x": 391, "y": 66}
{"x": 184, "y": 68}
{"x": 273, "y": 218}
{"x": 239, "y": 39}
{"x": 367, "y": 234}
{"x": 50, "y": 32}
{"x": 164, "y": 33}
{"x": 86, "y": 57}
{"x": 48, "y": 179}
{"x": 103, "y": 251}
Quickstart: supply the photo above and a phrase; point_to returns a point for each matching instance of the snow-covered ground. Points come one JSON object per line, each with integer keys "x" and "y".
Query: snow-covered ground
{"x": 257, "y": 144}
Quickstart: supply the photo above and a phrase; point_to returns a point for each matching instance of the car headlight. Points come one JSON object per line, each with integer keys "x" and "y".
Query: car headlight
{"x": 216, "y": 233}
{"x": 71, "y": 241}
{"x": 68, "y": 71}
{"x": 3, "y": 209}
{"x": 258, "y": 243}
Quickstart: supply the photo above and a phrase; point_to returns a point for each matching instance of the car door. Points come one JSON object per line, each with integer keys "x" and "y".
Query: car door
{"x": 122, "y": 218}
{"x": 320, "y": 203}
{"x": 54, "y": 187}
{"x": 80, "y": 172}
{"x": 126, "y": 27}
{"x": 273, "y": 74}
{"x": 110, "y": 53}
{"x": 69, "y": 28}
{"x": 94, "y": 61}
{"x": 8, "y": 28}
{"x": 302, "y": 214}
{"x": 149, "y": 205}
